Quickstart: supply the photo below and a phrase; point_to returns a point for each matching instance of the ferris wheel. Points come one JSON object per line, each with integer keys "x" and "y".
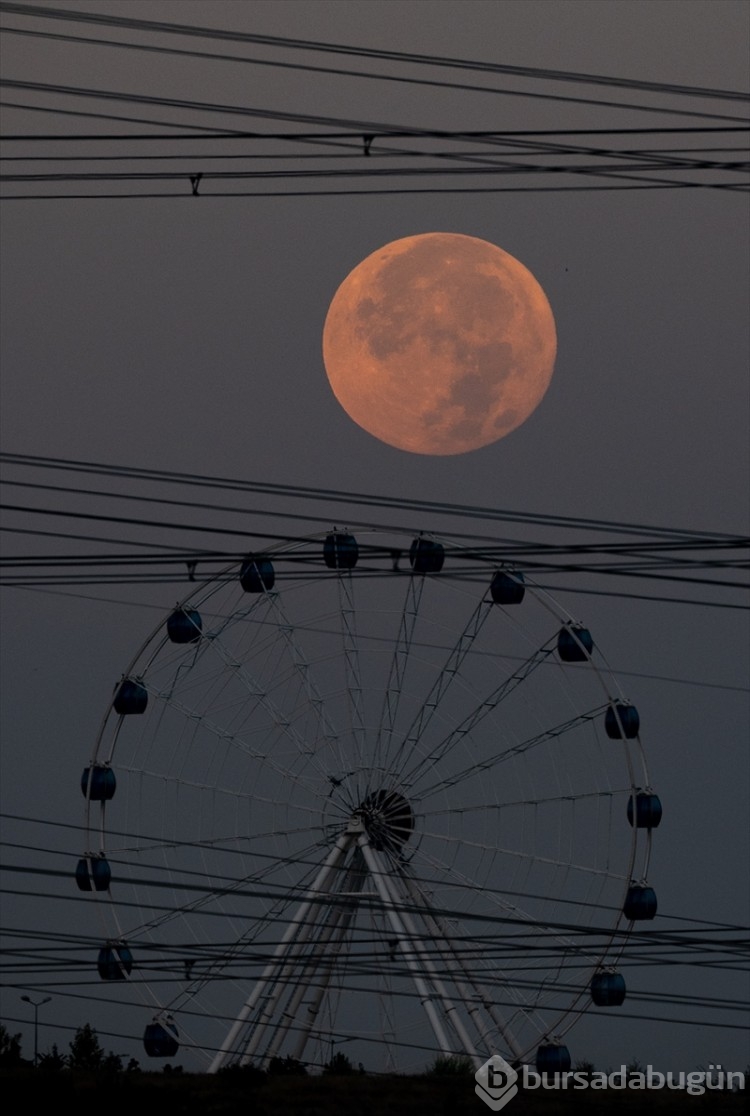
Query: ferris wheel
{"x": 382, "y": 791}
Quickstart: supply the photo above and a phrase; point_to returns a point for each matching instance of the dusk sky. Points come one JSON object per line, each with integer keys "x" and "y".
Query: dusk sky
{"x": 147, "y": 328}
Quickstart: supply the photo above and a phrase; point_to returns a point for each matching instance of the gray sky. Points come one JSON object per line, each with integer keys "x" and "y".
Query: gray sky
{"x": 184, "y": 334}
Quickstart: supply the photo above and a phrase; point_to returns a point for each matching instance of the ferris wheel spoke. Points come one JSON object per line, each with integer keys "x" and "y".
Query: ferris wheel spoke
{"x": 486, "y": 706}
{"x": 440, "y": 687}
{"x": 273, "y": 914}
{"x": 513, "y": 752}
{"x": 254, "y": 885}
{"x": 506, "y": 804}
{"x": 279, "y": 719}
{"x": 510, "y": 910}
{"x": 177, "y": 911}
{"x": 299, "y": 856}
{"x": 220, "y": 842}
{"x": 394, "y": 685}
{"x": 328, "y": 732}
{"x": 232, "y": 739}
{"x": 524, "y": 854}
{"x": 181, "y": 782}
{"x": 233, "y": 954}
{"x": 354, "y": 688}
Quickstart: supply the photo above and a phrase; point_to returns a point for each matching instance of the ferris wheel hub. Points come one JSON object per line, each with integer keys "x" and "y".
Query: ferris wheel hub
{"x": 387, "y": 818}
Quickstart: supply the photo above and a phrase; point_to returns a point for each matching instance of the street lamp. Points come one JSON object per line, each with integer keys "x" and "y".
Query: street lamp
{"x": 36, "y": 1004}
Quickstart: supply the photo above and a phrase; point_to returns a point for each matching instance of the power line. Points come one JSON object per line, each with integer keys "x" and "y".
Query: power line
{"x": 600, "y": 171}
{"x": 156, "y": 839}
{"x": 328, "y": 495}
{"x": 591, "y": 170}
{"x": 359, "y": 126}
{"x": 431, "y": 83}
{"x": 366, "y": 52}
{"x": 519, "y": 547}
{"x": 699, "y": 683}
{"x": 354, "y": 155}
{"x": 421, "y": 191}
{"x": 617, "y": 569}
{"x": 368, "y": 130}
{"x": 661, "y": 560}
{"x": 516, "y": 931}
{"x": 481, "y": 548}
{"x": 506, "y": 135}
{"x": 190, "y": 128}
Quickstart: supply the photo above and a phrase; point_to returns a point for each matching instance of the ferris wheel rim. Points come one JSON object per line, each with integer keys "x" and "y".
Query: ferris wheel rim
{"x": 157, "y": 641}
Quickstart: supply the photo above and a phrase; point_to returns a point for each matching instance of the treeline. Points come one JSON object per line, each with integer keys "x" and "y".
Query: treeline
{"x": 91, "y": 1078}
{"x": 86, "y": 1055}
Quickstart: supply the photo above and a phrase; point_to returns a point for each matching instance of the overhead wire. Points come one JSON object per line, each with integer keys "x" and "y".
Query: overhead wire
{"x": 655, "y": 159}
{"x": 480, "y": 163}
{"x": 699, "y": 683}
{"x": 353, "y": 154}
{"x": 137, "y": 842}
{"x": 537, "y": 73}
{"x": 191, "y": 129}
{"x": 510, "y": 135}
{"x": 52, "y": 969}
{"x": 504, "y": 946}
{"x": 376, "y": 1039}
{"x": 453, "y": 86}
{"x": 661, "y": 560}
{"x": 208, "y": 176}
{"x": 661, "y": 554}
{"x": 155, "y": 840}
{"x": 369, "y": 130}
{"x": 359, "y": 126}
{"x": 154, "y": 195}
{"x": 338, "y": 496}
{"x": 617, "y": 569}
{"x": 482, "y": 547}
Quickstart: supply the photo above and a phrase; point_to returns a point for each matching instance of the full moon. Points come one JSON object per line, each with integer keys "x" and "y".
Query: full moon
{"x": 439, "y": 343}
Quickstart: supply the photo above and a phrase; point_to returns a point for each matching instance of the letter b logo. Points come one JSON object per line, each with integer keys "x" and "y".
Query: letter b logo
{"x": 496, "y": 1082}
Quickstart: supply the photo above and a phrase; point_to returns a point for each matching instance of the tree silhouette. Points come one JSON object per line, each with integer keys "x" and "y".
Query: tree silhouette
{"x": 10, "y": 1048}
{"x": 288, "y": 1067}
{"x": 53, "y": 1061}
{"x": 85, "y": 1050}
{"x": 339, "y": 1065}
{"x": 451, "y": 1065}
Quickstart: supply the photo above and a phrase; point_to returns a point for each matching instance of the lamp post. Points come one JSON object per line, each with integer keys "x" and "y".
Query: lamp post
{"x": 36, "y": 1004}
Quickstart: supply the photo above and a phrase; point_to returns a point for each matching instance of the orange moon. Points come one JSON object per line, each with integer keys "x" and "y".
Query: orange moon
{"x": 439, "y": 343}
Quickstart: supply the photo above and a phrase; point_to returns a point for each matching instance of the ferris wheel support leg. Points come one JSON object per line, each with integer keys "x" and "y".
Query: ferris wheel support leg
{"x": 313, "y": 1008}
{"x": 290, "y": 971}
{"x": 319, "y": 965}
{"x": 285, "y": 946}
{"x": 406, "y": 942}
{"x": 472, "y": 993}
{"x": 452, "y": 1013}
